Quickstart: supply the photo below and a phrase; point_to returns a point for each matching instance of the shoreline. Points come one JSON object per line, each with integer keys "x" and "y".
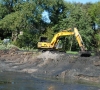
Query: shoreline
{"x": 54, "y": 65}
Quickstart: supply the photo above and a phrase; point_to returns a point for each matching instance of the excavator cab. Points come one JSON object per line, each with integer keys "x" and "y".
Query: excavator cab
{"x": 43, "y": 39}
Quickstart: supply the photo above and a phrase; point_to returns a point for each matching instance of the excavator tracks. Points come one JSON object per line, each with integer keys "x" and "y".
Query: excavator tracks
{"x": 81, "y": 53}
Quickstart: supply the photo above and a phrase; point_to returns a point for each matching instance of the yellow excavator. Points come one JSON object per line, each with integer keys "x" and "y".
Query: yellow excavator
{"x": 53, "y": 45}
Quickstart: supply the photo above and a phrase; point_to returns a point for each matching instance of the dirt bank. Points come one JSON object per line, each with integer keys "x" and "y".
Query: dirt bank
{"x": 54, "y": 65}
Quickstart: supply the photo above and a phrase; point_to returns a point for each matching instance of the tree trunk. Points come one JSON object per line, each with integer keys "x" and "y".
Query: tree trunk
{"x": 14, "y": 35}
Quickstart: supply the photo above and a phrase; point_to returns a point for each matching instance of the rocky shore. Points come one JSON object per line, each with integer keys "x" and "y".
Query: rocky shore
{"x": 53, "y": 65}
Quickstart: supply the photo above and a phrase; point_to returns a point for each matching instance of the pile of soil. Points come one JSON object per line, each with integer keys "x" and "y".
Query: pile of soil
{"x": 50, "y": 64}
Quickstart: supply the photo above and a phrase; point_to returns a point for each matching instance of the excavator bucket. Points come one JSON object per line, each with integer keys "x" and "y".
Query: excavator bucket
{"x": 85, "y": 54}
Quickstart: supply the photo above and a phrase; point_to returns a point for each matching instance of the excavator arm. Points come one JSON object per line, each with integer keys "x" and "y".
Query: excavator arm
{"x": 60, "y": 34}
{"x": 79, "y": 40}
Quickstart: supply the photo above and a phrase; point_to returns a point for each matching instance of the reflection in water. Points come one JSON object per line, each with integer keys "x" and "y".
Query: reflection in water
{"x": 23, "y": 81}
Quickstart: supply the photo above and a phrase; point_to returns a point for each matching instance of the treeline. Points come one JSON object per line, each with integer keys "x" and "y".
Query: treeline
{"x": 27, "y": 16}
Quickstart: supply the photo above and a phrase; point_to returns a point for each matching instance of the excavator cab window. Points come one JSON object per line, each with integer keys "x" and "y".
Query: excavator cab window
{"x": 61, "y": 44}
{"x": 43, "y": 39}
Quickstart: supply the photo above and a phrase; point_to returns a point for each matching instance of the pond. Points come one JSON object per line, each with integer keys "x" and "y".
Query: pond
{"x": 24, "y": 81}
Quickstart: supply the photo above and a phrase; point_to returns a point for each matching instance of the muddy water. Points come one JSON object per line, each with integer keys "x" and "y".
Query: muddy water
{"x": 23, "y": 81}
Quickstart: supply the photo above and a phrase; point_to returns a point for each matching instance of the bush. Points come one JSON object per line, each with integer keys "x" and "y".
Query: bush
{"x": 27, "y": 40}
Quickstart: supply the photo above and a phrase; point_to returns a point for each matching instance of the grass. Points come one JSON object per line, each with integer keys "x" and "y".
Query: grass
{"x": 72, "y": 52}
{"x": 3, "y": 47}
{"x": 76, "y": 52}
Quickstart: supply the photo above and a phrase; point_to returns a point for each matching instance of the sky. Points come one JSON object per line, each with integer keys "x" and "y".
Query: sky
{"x": 83, "y": 1}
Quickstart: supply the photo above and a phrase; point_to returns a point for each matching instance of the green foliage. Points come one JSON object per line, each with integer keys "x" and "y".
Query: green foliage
{"x": 25, "y": 13}
{"x": 3, "y": 11}
{"x": 97, "y": 37}
{"x": 49, "y": 33}
{"x": 11, "y": 21}
{"x": 77, "y": 17}
{"x": 27, "y": 39}
{"x": 26, "y": 16}
{"x": 94, "y": 12}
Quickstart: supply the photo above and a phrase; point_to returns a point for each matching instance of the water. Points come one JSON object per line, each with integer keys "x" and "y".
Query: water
{"x": 23, "y": 81}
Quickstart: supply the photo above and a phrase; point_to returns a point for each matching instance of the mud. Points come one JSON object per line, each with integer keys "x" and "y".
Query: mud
{"x": 53, "y": 65}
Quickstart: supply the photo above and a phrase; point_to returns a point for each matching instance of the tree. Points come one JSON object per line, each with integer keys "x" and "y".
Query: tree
{"x": 94, "y": 12}
{"x": 25, "y": 17}
{"x": 76, "y": 16}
